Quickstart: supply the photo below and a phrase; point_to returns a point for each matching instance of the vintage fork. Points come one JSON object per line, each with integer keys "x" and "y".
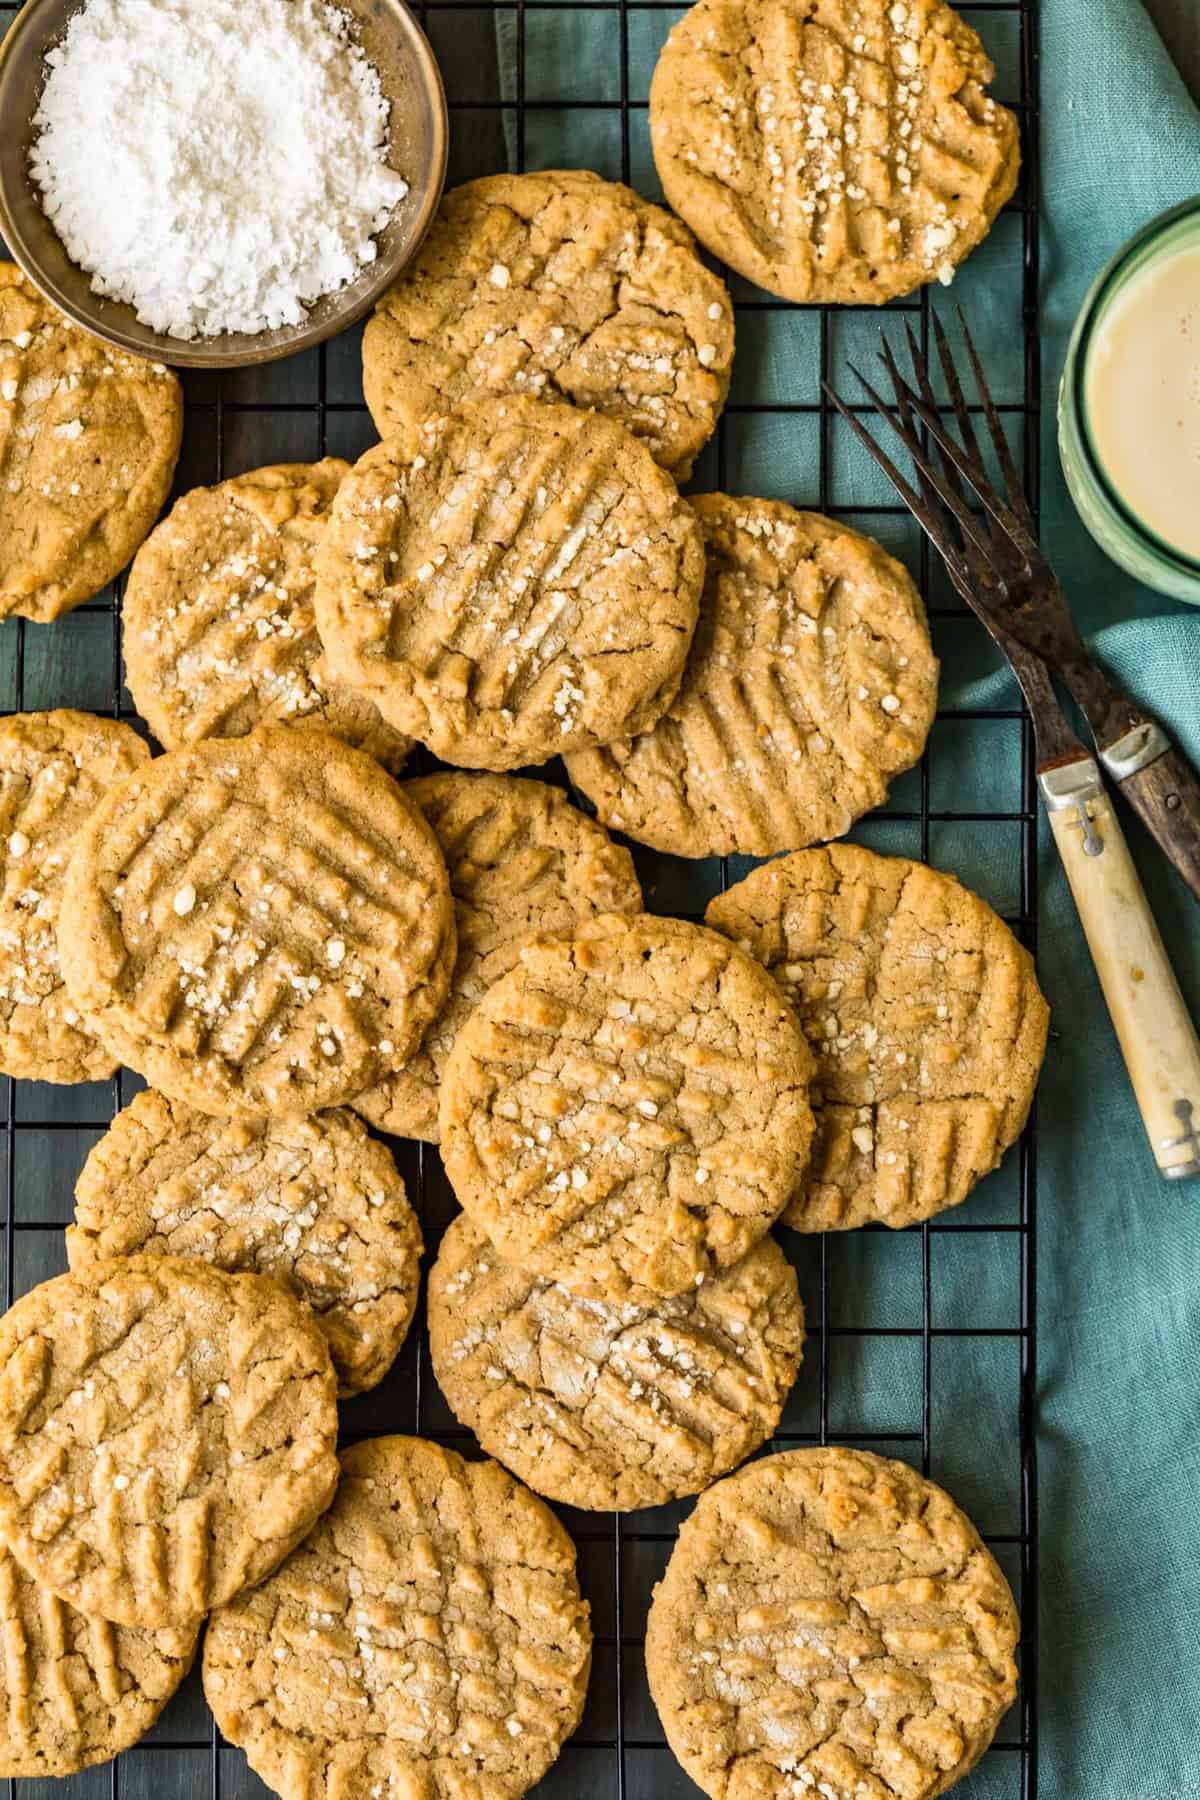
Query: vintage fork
{"x": 995, "y": 563}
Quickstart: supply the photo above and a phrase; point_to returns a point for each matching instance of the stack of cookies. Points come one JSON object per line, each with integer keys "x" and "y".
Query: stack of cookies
{"x": 263, "y": 926}
{"x": 621, "y": 1116}
{"x": 167, "y": 1437}
{"x": 166, "y": 1441}
{"x": 295, "y": 950}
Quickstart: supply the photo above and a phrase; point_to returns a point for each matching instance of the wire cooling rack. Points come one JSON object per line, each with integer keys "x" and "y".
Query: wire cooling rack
{"x": 921, "y": 1343}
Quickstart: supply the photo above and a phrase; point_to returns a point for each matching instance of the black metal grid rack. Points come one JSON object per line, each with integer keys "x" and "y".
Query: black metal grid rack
{"x": 921, "y": 1343}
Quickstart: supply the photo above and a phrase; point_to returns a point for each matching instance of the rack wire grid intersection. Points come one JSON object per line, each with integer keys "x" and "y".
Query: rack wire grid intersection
{"x": 312, "y": 405}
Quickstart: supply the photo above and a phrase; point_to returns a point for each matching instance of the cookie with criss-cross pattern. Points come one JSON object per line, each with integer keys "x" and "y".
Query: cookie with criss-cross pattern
{"x": 830, "y": 1623}
{"x": 628, "y": 1107}
{"x": 810, "y": 683}
{"x": 521, "y": 860}
{"x": 218, "y": 627}
{"x": 612, "y": 1406}
{"x": 840, "y": 151}
{"x": 75, "y": 1691}
{"x": 167, "y": 1435}
{"x": 510, "y": 581}
{"x": 565, "y": 287}
{"x": 88, "y": 441}
{"x": 259, "y": 924}
{"x": 55, "y": 768}
{"x": 313, "y": 1202}
{"x": 427, "y": 1641}
{"x": 925, "y": 1018}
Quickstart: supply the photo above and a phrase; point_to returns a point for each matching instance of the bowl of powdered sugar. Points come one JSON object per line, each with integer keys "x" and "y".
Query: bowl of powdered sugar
{"x": 215, "y": 182}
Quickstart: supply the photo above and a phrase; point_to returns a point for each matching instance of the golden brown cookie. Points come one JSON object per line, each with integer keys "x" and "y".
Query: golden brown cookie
{"x": 830, "y": 1623}
{"x": 219, "y": 634}
{"x": 925, "y": 1018}
{"x": 55, "y": 768}
{"x": 611, "y": 1406}
{"x": 521, "y": 860}
{"x": 564, "y": 287}
{"x": 840, "y": 151}
{"x": 314, "y": 1203}
{"x": 73, "y": 1690}
{"x": 167, "y": 1434}
{"x": 427, "y": 1641}
{"x": 510, "y": 581}
{"x": 260, "y": 924}
{"x": 628, "y": 1107}
{"x": 88, "y": 441}
{"x": 810, "y": 683}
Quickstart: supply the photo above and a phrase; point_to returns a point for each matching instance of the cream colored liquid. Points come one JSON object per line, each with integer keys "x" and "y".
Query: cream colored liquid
{"x": 1142, "y": 397}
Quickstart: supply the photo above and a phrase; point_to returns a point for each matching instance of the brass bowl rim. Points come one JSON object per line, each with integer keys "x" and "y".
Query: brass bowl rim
{"x": 245, "y": 349}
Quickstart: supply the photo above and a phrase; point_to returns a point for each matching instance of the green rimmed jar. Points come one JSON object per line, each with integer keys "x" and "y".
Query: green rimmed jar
{"x": 1118, "y": 530}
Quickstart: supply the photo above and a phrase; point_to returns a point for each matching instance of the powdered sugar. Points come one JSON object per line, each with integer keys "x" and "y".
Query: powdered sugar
{"x": 218, "y": 165}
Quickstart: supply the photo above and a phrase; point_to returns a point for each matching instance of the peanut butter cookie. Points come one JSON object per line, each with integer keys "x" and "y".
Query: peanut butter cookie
{"x": 88, "y": 441}
{"x": 628, "y": 1107}
{"x": 841, "y": 151}
{"x": 564, "y": 287}
{"x": 830, "y": 1623}
{"x": 55, "y": 768}
{"x": 510, "y": 581}
{"x": 74, "y": 1691}
{"x": 613, "y": 1406}
{"x": 315, "y": 1203}
{"x": 219, "y": 633}
{"x": 167, "y": 1435}
{"x": 259, "y": 924}
{"x": 427, "y": 1640}
{"x": 521, "y": 860}
{"x": 925, "y": 1017}
{"x": 810, "y": 683}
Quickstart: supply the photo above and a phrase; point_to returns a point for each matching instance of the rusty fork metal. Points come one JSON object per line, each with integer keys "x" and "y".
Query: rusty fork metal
{"x": 996, "y": 564}
{"x": 989, "y": 546}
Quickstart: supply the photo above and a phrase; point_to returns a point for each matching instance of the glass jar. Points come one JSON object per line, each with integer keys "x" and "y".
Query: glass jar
{"x": 1127, "y": 539}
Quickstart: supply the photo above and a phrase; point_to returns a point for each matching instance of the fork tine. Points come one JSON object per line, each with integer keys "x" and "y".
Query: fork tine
{"x": 1016, "y": 493}
{"x": 932, "y": 500}
{"x": 889, "y": 362}
{"x": 925, "y": 384}
{"x": 921, "y": 370}
{"x": 954, "y": 387}
{"x": 954, "y": 502}
{"x": 972, "y": 470}
{"x": 931, "y": 518}
{"x": 906, "y": 414}
{"x": 920, "y": 366}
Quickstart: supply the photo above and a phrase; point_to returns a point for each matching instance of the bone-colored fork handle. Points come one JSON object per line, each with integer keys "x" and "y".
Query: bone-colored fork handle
{"x": 1157, "y": 1037}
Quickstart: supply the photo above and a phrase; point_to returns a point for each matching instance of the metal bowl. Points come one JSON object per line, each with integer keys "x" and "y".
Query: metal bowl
{"x": 410, "y": 79}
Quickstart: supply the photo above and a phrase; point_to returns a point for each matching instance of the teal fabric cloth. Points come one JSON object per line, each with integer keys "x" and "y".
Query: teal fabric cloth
{"x": 1118, "y": 1289}
{"x": 1119, "y": 1250}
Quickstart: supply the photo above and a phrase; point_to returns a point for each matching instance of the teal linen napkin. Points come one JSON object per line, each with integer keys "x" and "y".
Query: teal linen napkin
{"x": 1119, "y": 1250}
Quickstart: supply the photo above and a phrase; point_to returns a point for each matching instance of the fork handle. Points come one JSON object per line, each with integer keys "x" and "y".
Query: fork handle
{"x": 1157, "y": 1037}
{"x": 1165, "y": 794}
